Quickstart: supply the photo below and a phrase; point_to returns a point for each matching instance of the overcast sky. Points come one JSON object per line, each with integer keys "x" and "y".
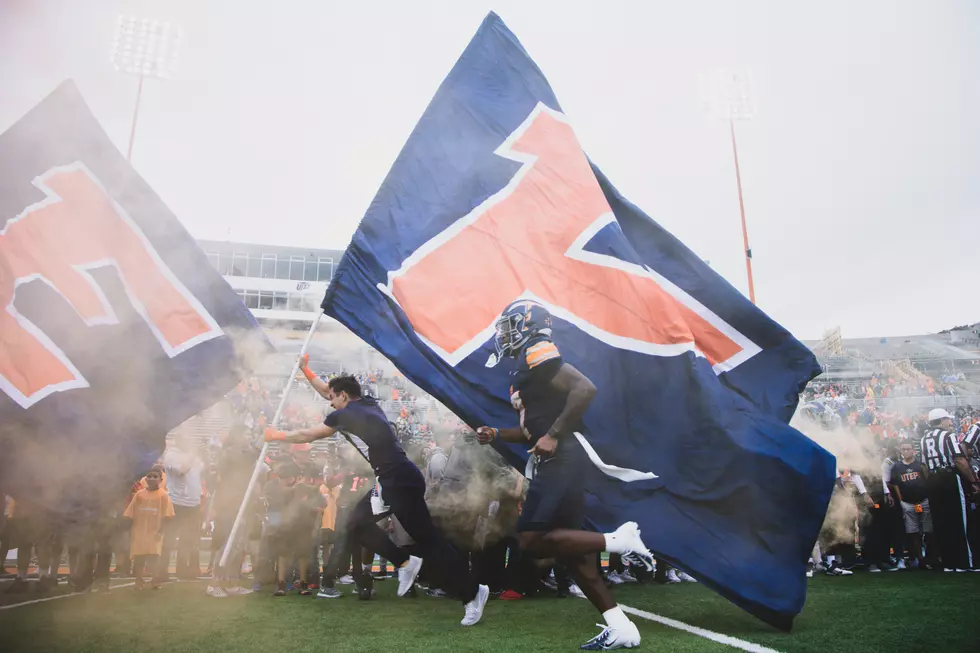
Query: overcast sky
{"x": 861, "y": 169}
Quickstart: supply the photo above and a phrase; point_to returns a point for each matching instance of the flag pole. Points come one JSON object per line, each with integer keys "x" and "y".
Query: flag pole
{"x": 240, "y": 517}
{"x": 741, "y": 210}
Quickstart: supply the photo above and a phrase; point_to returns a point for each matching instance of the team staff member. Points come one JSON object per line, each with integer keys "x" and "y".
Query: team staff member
{"x": 950, "y": 482}
{"x": 908, "y": 484}
{"x": 400, "y": 491}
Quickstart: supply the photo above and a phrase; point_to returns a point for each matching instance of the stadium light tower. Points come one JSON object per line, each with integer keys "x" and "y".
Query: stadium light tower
{"x": 147, "y": 48}
{"x": 728, "y": 95}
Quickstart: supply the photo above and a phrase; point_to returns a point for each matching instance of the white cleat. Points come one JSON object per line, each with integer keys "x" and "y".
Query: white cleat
{"x": 237, "y": 591}
{"x": 474, "y": 609}
{"x": 575, "y": 590}
{"x": 672, "y": 577}
{"x": 687, "y": 578}
{"x": 628, "y": 577}
{"x": 633, "y": 550}
{"x": 407, "y": 574}
{"x": 612, "y": 638}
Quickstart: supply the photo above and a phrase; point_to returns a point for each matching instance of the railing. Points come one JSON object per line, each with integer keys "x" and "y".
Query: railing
{"x": 917, "y": 404}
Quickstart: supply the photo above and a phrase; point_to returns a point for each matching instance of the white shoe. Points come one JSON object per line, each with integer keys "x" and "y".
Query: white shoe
{"x": 346, "y": 580}
{"x": 237, "y": 591}
{"x": 613, "y": 638}
{"x": 474, "y": 609}
{"x": 575, "y": 590}
{"x": 216, "y": 592}
{"x": 627, "y": 542}
{"x": 614, "y": 578}
{"x": 901, "y": 564}
{"x": 809, "y": 573}
{"x": 672, "y": 577}
{"x": 627, "y": 577}
{"x": 687, "y": 578}
{"x": 873, "y": 569}
{"x": 407, "y": 574}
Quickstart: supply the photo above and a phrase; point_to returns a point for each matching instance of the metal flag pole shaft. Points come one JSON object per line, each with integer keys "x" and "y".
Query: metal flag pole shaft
{"x": 741, "y": 210}
{"x": 240, "y": 517}
{"x": 136, "y": 113}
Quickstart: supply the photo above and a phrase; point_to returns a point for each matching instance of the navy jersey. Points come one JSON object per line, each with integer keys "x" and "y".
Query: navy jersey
{"x": 531, "y": 391}
{"x": 365, "y": 425}
{"x": 910, "y": 479}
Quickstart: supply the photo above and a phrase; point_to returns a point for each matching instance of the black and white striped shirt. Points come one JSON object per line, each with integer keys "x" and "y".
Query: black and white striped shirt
{"x": 973, "y": 437}
{"x": 939, "y": 447}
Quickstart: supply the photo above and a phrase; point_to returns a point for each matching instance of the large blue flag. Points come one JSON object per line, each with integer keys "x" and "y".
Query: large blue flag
{"x": 492, "y": 199}
{"x": 114, "y": 328}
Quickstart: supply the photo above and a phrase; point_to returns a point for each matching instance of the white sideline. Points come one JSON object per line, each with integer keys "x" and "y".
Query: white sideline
{"x": 55, "y": 598}
{"x": 666, "y": 621}
{"x": 700, "y": 632}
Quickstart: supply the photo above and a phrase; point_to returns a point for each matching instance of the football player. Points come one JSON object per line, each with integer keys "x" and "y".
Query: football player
{"x": 551, "y": 397}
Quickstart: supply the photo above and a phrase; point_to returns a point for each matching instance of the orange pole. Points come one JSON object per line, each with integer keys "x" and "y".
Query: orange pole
{"x": 741, "y": 210}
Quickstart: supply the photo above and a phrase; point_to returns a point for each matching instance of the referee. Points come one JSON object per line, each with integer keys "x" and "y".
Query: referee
{"x": 971, "y": 449}
{"x": 950, "y": 482}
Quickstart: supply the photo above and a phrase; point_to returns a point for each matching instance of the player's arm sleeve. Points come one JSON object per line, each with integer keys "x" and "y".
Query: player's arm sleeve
{"x": 170, "y": 508}
{"x": 543, "y": 359}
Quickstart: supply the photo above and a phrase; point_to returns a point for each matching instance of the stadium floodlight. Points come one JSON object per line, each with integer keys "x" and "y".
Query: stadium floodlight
{"x": 147, "y": 48}
{"x": 728, "y": 96}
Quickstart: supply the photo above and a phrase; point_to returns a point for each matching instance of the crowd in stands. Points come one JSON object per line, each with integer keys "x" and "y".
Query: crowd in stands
{"x": 179, "y": 514}
{"x": 856, "y": 405}
{"x": 867, "y": 524}
{"x": 881, "y": 386}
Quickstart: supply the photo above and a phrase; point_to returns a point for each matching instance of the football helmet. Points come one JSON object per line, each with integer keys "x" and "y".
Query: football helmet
{"x": 519, "y": 322}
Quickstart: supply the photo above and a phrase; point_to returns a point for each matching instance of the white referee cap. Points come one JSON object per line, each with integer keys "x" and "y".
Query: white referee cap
{"x": 937, "y": 414}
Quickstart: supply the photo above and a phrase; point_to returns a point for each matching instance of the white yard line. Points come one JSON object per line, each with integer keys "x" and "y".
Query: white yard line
{"x": 55, "y": 598}
{"x": 65, "y": 596}
{"x": 700, "y": 632}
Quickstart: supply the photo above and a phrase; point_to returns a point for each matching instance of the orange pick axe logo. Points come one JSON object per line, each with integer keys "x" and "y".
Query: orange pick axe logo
{"x": 59, "y": 240}
{"x": 528, "y": 241}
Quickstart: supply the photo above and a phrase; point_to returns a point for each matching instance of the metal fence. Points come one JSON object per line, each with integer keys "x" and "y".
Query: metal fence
{"x": 918, "y": 404}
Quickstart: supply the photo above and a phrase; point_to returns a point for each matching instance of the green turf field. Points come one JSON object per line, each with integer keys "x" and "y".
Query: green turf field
{"x": 902, "y": 612}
